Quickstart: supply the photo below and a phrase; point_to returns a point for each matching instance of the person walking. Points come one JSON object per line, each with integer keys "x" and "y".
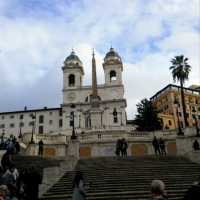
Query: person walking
{"x": 124, "y": 147}
{"x": 41, "y": 147}
{"x": 162, "y": 147}
{"x": 78, "y": 187}
{"x": 196, "y": 145}
{"x": 156, "y": 145}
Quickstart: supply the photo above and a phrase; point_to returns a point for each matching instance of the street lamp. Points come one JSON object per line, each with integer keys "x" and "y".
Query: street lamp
{"x": 33, "y": 128}
{"x": 196, "y": 122}
{"x": 180, "y": 132}
{"x": 73, "y": 136}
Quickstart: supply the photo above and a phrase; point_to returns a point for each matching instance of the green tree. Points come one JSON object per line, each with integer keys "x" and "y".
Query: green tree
{"x": 180, "y": 73}
{"x": 147, "y": 118}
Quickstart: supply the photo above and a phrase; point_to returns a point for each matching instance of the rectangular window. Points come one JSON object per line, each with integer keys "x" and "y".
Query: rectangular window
{"x": 50, "y": 122}
{"x": 12, "y": 116}
{"x": 180, "y": 114}
{"x": 170, "y": 123}
{"x": 31, "y": 123}
{"x": 60, "y": 111}
{"x": 50, "y": 113}
{"x": 41, "y": 130}
{"x": 21, "y": 124}
{"x": 21, "y": 117}
{"x": 41, "y": 119}
{"x": 3, "y": 117}
{"x": 60, "y": 123}
{"x": 12, "y": 125}
{"x": 2, "y": 126}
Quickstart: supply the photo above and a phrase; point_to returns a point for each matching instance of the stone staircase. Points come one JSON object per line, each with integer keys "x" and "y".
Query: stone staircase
{"x": 128, "y": 178}
{"x": 24, "y": 161}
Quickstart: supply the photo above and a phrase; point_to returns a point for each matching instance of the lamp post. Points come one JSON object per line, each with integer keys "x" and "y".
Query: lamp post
{"x": 180, "y": 132}
{"x": 33, "y": 128}
{"x": 73, "y": 136}
{"x": 196, "y": 122}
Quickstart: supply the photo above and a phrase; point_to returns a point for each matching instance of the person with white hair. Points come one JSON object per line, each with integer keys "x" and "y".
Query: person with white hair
{"x": 158, "y": 190}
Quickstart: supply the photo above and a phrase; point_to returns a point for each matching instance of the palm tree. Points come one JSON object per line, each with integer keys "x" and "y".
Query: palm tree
{"x": 180, "y": 73}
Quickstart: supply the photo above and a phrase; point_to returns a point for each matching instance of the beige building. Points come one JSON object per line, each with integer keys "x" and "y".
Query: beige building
{"x": 93, "y": 107}
{"x": 168, "y": 102}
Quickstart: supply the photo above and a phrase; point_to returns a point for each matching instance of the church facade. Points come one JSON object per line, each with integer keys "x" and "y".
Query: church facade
{"x": 84, "y": 108}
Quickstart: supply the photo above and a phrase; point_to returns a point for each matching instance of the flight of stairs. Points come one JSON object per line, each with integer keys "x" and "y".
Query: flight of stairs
{"x": 112, "y": 178}
{"x": 24, "y": 162}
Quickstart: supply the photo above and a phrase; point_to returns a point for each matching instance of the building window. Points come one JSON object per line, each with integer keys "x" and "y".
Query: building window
{"x": 2, "y": 117}
{"x": 12, "y": 125}
{"x": 41, "y": 129}
{"x": 41, "y": 119}
{"x": 60, "y": 123}
{"x": 193, "y": 116}
{"x": 71, "y": 80}
{"x": 12, "y": 116}
{"x": 71, "y": 121}
{"x": 21, "y": 117}
{"x": 50, "y": 113}
{"x": 60, "y": 112}
{"x": 115, "y": 119}
{"x": 170, "y": 123}
{"x": 113, "y": 75}
{"x": 31, "y": 123}
{"x": 50, "y": 122}
{"x": 180, "y": 114}
{"x": 21, "y": 124}
{"x": 2, "y": 126}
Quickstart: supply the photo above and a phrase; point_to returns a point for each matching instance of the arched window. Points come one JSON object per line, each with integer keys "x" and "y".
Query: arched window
{"x": 71, "y": 80}
{"x": 113, "y": 75}
{"x": 115, "y": 118}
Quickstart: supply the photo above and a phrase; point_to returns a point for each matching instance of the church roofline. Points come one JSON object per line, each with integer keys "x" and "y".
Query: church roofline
{"x": 27, "y": 111}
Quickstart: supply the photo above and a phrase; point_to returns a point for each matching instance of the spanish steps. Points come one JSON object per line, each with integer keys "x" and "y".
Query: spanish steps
{"x": 112, "y": 178}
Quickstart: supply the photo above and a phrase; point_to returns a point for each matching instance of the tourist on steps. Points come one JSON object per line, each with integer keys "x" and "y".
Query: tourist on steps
{"x": 158, "y": 190}
{"x": 124, "y": 147}
{"x": 156, "y": 146}
{"x": 118, "y": 147}
{"x": 41, "y": 147}
{"x": 196, "y": 145}
{"x": 162, "y": 147}
{"x": 193, "y": 193}
{"x": 78, "y": 187}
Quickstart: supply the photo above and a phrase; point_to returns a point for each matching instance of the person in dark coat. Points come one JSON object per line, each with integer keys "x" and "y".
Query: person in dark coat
{"x": 162, "y": 146}
{"x": 156, "y": 145}
{"x": 193, "y": 193}
{"x": 196, "y": 145}
{"x": 32, "y": 179}
{"x": 124, "y": 147}
{"x": 118, "y": 147}
{"x": 41, "y": 146}
{"x": 6, "y": 160}
{"x": 79, "y": 192}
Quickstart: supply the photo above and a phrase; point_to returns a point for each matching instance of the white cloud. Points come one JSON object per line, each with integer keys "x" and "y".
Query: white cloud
{"x": 146, "y": 33}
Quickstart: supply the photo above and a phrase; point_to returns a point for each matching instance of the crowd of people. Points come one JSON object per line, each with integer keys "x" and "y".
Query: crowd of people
{"x": 10, "y": 144}
{"x": 121, "y": 147}
{"x": 18, "y": 184}
{"x": 159, "y": 146}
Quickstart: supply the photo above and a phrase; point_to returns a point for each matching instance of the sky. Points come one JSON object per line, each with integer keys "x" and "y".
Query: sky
{"x": 37, "y": 35}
